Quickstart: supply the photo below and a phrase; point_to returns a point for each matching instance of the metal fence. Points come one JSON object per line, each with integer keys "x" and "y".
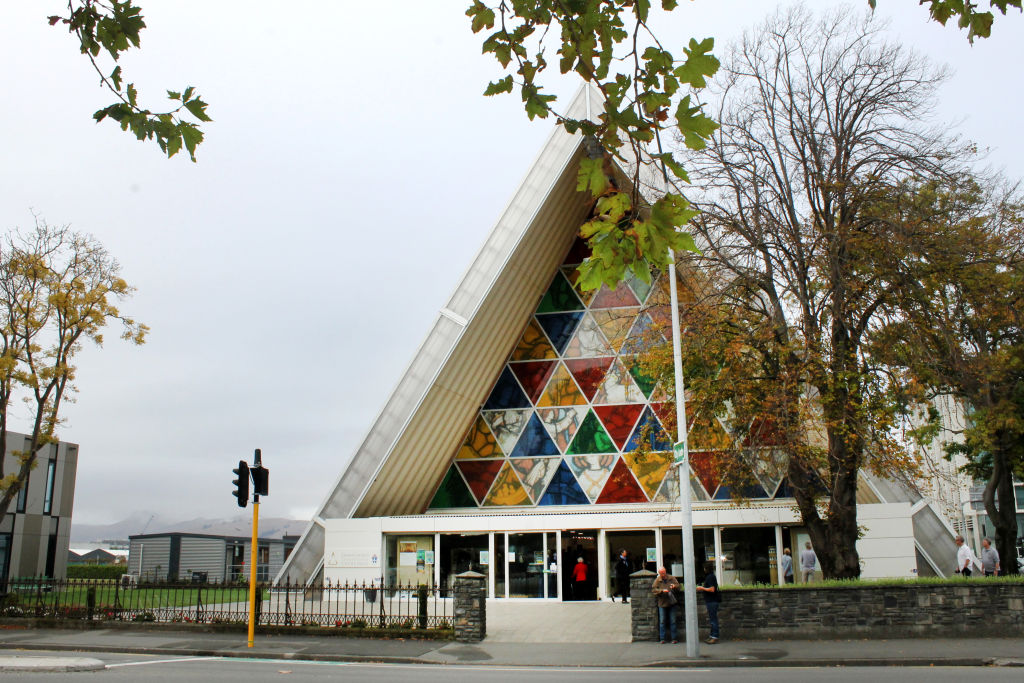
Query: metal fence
{"x": 364, "y": 605}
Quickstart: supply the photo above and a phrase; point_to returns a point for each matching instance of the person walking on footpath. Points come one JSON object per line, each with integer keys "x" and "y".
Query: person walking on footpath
{"x": 787, "y": 566}
{"x": 964, "y": 558}
{"x": 989, "y": 558}
{"x": 664, "y": 588}
{"x": 808, "y": 562}
{"x": 622, "y": 571}
{"x": 712, "y": 599}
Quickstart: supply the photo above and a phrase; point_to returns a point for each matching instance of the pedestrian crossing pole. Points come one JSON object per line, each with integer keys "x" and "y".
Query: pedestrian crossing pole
{"x": 682, "y": 458}
{"x": 253, "y": 555}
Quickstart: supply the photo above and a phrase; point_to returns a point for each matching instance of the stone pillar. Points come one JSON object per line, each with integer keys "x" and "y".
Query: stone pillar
{"x": 643, "y": 608}
{"x": 470, "y": 611}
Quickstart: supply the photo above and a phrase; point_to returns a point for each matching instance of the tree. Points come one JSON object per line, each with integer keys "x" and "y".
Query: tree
{"x": 646, "y": 90}
{"x": 958, "y": 330}
{"x": 113, "y": 27}
{"x": 58, "y": 289}
{"x": 820, "y": 122}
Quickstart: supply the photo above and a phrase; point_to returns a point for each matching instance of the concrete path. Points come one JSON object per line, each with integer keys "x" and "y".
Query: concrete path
{"x": 22, "y": 664}
{"x": 557, "y": 622}
{"x": 897, "y": 652}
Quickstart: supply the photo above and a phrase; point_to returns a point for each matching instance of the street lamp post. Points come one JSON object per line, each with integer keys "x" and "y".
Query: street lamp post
{"x": 682, "y": 460}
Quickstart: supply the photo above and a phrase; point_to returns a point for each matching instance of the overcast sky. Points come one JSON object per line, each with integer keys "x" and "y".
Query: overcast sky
{"x": 351, "y": 173}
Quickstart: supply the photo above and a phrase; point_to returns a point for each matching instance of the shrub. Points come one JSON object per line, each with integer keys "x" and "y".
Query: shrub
{"x": 96, "y": 571}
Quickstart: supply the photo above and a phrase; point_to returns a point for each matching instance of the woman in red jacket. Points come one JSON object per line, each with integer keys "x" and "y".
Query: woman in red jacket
{"x": 579, "y": 580}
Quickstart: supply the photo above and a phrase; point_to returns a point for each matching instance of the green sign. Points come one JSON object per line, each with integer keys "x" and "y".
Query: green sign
{"x": 680, "y": 449}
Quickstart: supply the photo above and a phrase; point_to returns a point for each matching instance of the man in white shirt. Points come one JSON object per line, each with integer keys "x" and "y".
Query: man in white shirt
{"x": 964, "y": 558}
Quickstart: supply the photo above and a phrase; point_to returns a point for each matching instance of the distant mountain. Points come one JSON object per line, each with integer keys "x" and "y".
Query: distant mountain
{"x": 149, "y": 523}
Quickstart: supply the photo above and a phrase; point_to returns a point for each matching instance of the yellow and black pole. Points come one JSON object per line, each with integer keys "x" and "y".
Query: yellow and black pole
{"x": 253, "y": 557}
{"x": 260, "y": 476}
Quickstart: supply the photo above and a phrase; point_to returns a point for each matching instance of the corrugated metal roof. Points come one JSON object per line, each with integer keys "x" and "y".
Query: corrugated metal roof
{"x": 406, "y": 451}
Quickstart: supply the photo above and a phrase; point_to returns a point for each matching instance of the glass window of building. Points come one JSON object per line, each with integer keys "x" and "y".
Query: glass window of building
{"x": 462, "y": 553}
{"x": 22, "y": 496}
{"x": 672, "y": 550}
{"x": 748, "y": 555}
{"x": 51, "y": 473}
{"x": 409, "y": 560}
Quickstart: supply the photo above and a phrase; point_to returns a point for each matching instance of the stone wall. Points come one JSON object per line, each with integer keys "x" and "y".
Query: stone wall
{"x": 470, "y": 608}
{"x": 974, "y": 607}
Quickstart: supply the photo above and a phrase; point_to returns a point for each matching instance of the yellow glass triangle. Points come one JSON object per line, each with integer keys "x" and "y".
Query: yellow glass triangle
{"x": 507, "y": 489}
{"x": 649, "y": 468}
{"x": 480, "y": 443}
{"x": 615, "y": 323}
{"x": 561, "y": 390}
{"x": 534, "y": 345}
{"x": 707, "y": 434}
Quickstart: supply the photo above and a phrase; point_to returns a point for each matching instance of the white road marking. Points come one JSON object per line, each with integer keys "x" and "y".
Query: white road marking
{"x": 163, "y": 661}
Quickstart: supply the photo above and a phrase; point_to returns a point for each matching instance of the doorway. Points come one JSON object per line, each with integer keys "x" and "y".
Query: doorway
{"x": 579, "y": 547}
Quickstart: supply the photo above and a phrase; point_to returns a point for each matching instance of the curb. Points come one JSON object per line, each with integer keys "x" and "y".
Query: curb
{"x": 665, "y": 664}
{"x": 24, "y": 664}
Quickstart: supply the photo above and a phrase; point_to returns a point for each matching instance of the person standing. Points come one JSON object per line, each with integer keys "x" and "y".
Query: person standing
{"x": 808, "y": 563}
{"x": 712, "y": 599}
{"x": 989, "y": 558}
{"x": 623, "y": 569}
{"x": 787, "y": 566}
{"x": 964, "y": 558}
{"x": 664, "y": 588}
{"x": 579, "y": 580}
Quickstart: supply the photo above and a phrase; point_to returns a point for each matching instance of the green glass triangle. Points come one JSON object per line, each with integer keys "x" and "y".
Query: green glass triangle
{"x": 560, "y": 297}
{"x": 645, "y": 382}
{"x": 591, "y": 438}
{"x": 452, "y": 493}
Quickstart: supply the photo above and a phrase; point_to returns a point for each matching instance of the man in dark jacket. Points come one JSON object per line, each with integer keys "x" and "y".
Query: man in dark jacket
{"x": 622, "y": 571}
{"x": 664, "y": 589}
{"x": 712, "y": 599}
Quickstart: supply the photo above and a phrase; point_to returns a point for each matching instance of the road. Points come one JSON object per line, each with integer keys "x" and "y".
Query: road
{"x": 156, "y": 669}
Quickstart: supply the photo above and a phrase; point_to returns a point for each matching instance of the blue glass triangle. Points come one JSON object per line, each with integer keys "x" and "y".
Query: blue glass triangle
{"x": 534, "y": 441}
{"x": 559, "y": 327}
{"x": 755, "y": 491}
{"x": 564, "y": 489}
{"x": 507, "y": 394}
{"x": 658, "y": 437}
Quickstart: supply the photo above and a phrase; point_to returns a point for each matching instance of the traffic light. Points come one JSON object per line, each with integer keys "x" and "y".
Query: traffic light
{"x": 260, "y": 480}
{"x": 241, "y": 483}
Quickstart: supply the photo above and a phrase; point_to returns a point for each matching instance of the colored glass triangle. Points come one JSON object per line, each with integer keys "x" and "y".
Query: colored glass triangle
{"x": 536, "y": 473}
{"x": 588, "y": 341}
{"x": 619, "y": 420}
{"x": 561, "y": 390}
{"x": 589, "y": 373}
{"x": 614, "y": 298}
{"x": 591, "y": 437}
{"x": 573, "y": 276}
{"x": 650, "y": 432}
{"x": 640, "y": 288}
{"x": 707, "y": 434}
{"x": 507, "y": 425}
{"x": 533, "y": 375}
{"x": 507, "y": 489}
{"x": 452, "y": 493}
{"x": 534, "y": 441}
{"x": 643, "y": 335}
{"x": 479, "y": 474}
{"x": 649, "y": 469}
{"x": 533, "y": 345}
{"x": 763, "y": 432}
{"x": 704, "y": 464}
{"x": 560, "y": 297}
{"x": 559, "y": 327}
{"x": 669, "y": 491}
{"x": 645, "y": 382}
{"x": 578, "y": 253}
{"x": 618, "y": 387}
{"x": 615, "y": 325}
{"x": 562, "y": 423}
{"x": 752, "y": 491}
{"x": 506, "y": 393}
{"x": 621, "y": 487}
{"x": 480, "y": 443}
{"x": 592, "y": 472}
{"x": 564, "y": 489}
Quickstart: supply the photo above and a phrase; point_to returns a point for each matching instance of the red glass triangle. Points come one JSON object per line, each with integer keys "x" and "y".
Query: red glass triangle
{"x": 589, "y": 373}
{"x": 703, "y": 464}
{"x": 666, "y": 412}
{"x": 533, "y": 375}
{"x": 619, "y": 420}
{"x": 621, "y": 487}
{"x": 480, "y": 475}
{"x": 614, "y": 298}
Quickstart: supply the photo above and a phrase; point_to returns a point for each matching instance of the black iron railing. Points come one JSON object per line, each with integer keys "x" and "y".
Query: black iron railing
{"x": 346, "y": 605}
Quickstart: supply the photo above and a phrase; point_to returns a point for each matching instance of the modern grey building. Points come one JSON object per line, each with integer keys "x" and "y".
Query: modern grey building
{"x": 173, "y": 556}
{"x": 36, "y": 531}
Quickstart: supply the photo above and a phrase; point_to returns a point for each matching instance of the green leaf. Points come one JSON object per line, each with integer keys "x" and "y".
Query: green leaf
{"x": 673, "y": 165}
{"x": 197, "y": 108}
{"x": 115, "y": 78}
{"x": 500, "y": 86}
{"x": 695, "y": 126}
{"x": 591, "y": 177}
{"x": 132, "y": 94}
{"x": 191, "y": 136}
{"x": 700, "y": 64}
{"x": 171, "y": 94}
{"x": 482, "y": 16}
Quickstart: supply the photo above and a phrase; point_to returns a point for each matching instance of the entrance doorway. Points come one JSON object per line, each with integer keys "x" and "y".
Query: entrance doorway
{"x": 636, "y": 544}
{"x": 579, "y": 547}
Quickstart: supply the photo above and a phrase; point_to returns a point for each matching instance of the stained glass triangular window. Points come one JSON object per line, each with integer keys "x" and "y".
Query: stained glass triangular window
{"x": 507, "y": 489}
{"x": 452, "y": 493}
{"x": 564, "y": 489}
{"x": 533, "y": 375}
{"x": 649, "y": 469}
{"x": 480, "y": 443}
{"x": 507, "y": 425}
{"x": 650, "y": 432}
{"x": 506, "y": 393}
{"x": 619, "y": 420}
{"x": 562, "y": 423}
{"x": 573, "y": 276}
{"x": 615, "y": 325}
{"x": 535, "y": 473}
{"x": 592, "y": 472}
{"x": 588, "y": 341}
{"x": 621, "y": 487}
{"x": 479, "y": 474}
{"x": 534, "y": 441}
{"x": 534, "y": 345}
{"x": 559, "y": 327}
{"x": 591, "y": 437}
{"x": 614, "y": 298}
{"x": 618, "y": 386}
{"x": 561, "y": 390}
{"x": 560, "y": 297}
{"x": 589, "y": 373}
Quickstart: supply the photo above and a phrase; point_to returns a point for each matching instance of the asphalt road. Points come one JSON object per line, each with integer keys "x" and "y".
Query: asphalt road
{"x": 155, "y": 669}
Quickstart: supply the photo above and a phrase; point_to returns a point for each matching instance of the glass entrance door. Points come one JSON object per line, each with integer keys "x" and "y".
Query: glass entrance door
{"x": 579, "y": 565}
{"x": 531, "y": 565}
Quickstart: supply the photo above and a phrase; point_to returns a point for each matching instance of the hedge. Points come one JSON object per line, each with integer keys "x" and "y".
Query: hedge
{"x": 96, "y": 571}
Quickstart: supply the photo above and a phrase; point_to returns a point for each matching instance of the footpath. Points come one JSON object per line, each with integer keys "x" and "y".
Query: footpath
{"x": 16, "y": 641}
